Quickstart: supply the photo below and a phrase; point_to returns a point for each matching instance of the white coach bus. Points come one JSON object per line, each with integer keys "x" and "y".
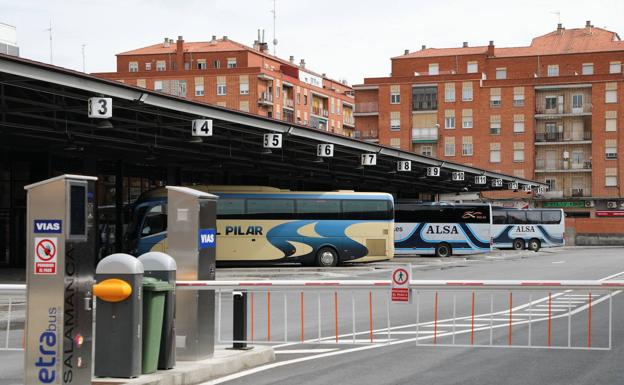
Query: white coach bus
{"x": 441, "y": 229}
{"x": 531, "y": 228}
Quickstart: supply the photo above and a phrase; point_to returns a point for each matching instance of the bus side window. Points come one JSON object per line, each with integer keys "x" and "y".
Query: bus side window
{"x": 516, "y": 217}
{"x": 230, "y": 208}
{"x": 499, "y": 217}
{"x": 534, "y": 217}
{"x": 155, "y": 221}
{"x": 551, "y": 217}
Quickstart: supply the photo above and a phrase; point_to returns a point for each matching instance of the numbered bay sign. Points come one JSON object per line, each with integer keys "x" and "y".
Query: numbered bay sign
{"x": 100, "y": 108}
{"x": 512, "y": 185}
{"x": 497, "y": 183}
{"x": 325, "y": 150}
{"x": 201, "y": 127}
{"x": 433, "y": 171}
{"x": 458, "y": 175}
{"x": 369, "y": 159}
{"x": 272, "y": 140}
{"x": 540, "y": 190}
{"x": 527, "y": 188}
{"x": 480, "y": 179}
{"x": 404, "y": 165}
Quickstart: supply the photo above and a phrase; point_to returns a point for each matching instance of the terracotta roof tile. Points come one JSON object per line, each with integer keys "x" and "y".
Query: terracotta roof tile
{"x": 577, "y": 40}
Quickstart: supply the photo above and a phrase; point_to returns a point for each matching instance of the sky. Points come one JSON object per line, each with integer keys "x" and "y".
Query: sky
{"x": 346, "y": 39}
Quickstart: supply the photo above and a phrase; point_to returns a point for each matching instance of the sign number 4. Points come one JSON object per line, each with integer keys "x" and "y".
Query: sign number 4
{"x": 202, "y": 127}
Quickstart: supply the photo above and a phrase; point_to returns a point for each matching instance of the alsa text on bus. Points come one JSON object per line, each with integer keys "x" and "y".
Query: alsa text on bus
{"x": 441, "y": 229}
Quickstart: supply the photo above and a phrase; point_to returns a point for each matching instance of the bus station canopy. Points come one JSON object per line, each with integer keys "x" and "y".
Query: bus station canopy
{"x": 44, "y": 108}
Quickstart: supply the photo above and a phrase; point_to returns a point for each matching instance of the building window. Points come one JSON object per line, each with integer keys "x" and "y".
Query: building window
{"x": 518, "y": 127}
{"x": 467, "y": 149}
{"x": 133, "y": 66}
{"x": 395, "y": 142}
{"x": 221, "y": 89}
{"x": 551, "y": 102}
{"x": 449, "y": 122}
{"x": 611, "y": 149}
{"x": 553, "y": 70}
{"x": 587, "y": 69}
{"x": 161, "y": 65}
{"x": 158, "y": 85}
{"x": 424, "y": 98}
{"x": 615, "y": 67}
{"x": 495, "y": 100}
{"x": 449, "y": 147}
{"x": 518, "y": 156}
{"x": 495, "y": 156}
{"x": 551, "y": 183}
{"x": 501, "y": 73}
{"x": 495, "y": 125}
{"x": 395, "y": 120}
{"x": 577, "y": 103}
{"x": 201, "y": 64}
{"x": 231, "y": 62}
{"x": 434, "y": 69}
{"x": 395, "y": 95}
{"x": 216, "y": 64}
{"x": 449, "y": 92}
{"x": 466, "y": 92}
{"x": 199, "y": 90}
{"x": 518, "y": 100}
{"x": 611, "y": 124}
{"x": 611, "y": 93}
{"x": 467, "y": 122}
{"x": 611, "y": 177}
{"x": 244, "y": 88}
{"x": 472, "y": 67}
{"x": 305, "y": 100}
{"x": 148, "y": 66}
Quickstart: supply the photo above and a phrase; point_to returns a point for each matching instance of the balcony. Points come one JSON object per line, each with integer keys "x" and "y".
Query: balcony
{"x": 555, "y": 165}
{"x": 424, "y": 135}
{"x": 348, "y": 121}
{"x": 544, "y": 111}
{"x": 289, "y": 103}
{"x": 320, "y": 111}
{"x": 370, "y": 135}
{"x": 265, "y": 99}
{"x": 562, "y": 137}
{"x": 367, "y": 108}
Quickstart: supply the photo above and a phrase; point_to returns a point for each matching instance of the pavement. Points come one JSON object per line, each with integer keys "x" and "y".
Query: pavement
{"x": 406, "y": 355}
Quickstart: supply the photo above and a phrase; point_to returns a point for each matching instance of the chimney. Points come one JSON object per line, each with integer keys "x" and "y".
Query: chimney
{"x": 180, "y": 45}
{"x": 256, "y": 45}
{"x": 424, "y": 47}
{"x": 323, "y": 75}
{"x": 302, "y": 63}
{"x": 406, "y": 52}
{"x": 179, "y": 58}
{"x": 214, "y": 38}
{"x": 465, "y": 44}
{"x": 292, "y": 59}
{"x": 225, "y": 38}
{"x": 588, "y": 24}
{"x": 490, "y": 48}
{"x": 264, "y": 47}
{"x": 560, "y": 28}
{"x": 166, "y": 43}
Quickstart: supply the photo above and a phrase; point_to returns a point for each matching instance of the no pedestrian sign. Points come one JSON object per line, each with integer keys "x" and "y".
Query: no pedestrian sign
{"x": 46, "y": 250}
{"x": 400, "y": 284}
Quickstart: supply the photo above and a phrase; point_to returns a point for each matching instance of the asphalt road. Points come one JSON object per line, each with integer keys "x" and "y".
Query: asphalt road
{"x": 399, "y": 360}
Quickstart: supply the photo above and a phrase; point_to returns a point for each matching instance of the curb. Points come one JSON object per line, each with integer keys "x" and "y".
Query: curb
{"x": 223, "y": 362}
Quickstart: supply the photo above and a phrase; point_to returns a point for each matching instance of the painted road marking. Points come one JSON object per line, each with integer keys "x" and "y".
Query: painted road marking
{"x": 557, "y": 262}
{"x": 304, "y": 351}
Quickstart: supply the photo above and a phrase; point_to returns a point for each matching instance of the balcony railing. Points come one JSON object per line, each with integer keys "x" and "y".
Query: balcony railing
{"x": 561, "y": 136}
{"x": 265, "y": 98}
{"x": 424, "y": 134}
{"x": 289, "y": 103}
{"x": 367, "y": 108}
{"x": 320, "y": 111}
{"x": 348, "y": 120}
{"x": 563, "y": 109}
{"x": 562, "y": 165}
{"x": 366, "y": 134}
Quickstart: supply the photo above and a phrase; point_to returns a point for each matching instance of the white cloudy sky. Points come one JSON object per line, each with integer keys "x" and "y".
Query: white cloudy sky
{"x": 349, "y": 39}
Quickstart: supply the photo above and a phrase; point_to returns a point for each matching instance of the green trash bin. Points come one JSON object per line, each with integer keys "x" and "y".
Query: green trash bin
{"x": 154, "y": 293}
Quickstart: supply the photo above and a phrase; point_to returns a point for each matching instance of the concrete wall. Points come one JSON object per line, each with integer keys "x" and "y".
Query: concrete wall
{"x": 595, "y": 231}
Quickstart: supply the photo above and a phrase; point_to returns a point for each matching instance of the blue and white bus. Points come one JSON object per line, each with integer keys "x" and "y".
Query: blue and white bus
{"x": 527, "y": 229}
{"x": 256, "y": 223}
{"x": 441, "y": 229}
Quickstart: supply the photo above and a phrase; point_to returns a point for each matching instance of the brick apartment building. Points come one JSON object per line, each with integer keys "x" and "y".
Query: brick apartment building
{"x": 552, "y": 111}
{"x": 230, "y": 74}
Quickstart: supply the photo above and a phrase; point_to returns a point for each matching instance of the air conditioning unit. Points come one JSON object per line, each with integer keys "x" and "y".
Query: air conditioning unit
{"x": 612, "y": 205}
{"x": 589, "y": 204}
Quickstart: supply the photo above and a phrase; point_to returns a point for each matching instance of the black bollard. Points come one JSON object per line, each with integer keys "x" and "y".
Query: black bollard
{"x": 239, "y": 318}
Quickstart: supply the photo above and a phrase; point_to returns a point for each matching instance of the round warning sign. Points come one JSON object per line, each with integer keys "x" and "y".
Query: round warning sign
{"x": 45, "y": 249}
{"x": 400, "y": 276}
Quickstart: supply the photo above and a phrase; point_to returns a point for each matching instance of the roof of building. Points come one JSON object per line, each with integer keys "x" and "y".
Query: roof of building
{"x": 561, "y": 41}
{"x": 216, "y": 45}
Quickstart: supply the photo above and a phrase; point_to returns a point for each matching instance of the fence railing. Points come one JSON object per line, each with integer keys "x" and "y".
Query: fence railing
{"x": 560, "y": 315}
{"x": 12, "y": 316}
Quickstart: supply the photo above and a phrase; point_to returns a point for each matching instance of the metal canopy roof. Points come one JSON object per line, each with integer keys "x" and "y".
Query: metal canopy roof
{"x": 46, "y": 106}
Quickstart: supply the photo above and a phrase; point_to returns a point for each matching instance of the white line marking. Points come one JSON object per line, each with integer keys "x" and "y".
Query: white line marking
{"x": 367, "y": 347}
{"x": 304, "y": 351}
{"x": 557, "y": 262}
{"x": 450, "y": 326}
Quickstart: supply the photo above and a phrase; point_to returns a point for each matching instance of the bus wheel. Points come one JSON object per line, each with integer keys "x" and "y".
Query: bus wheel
{"x": 443, "y": 250}
{"x": 534, "y": 244}
{"x": 518, "y": 244}
{"x": 326, "y": 257}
